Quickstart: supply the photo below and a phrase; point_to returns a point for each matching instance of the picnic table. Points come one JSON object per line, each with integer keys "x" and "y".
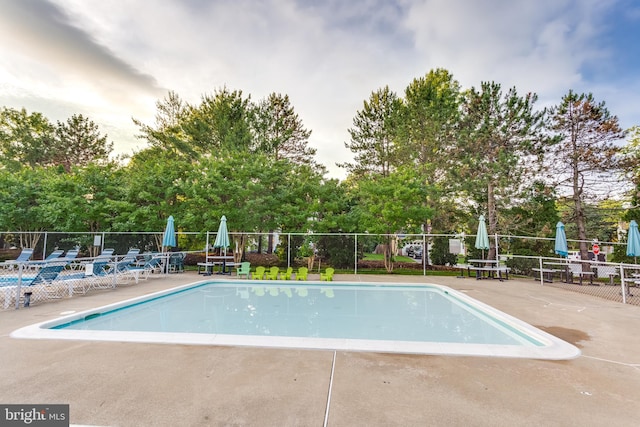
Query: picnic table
{"x": 564, "y": 270}
{"x": 546, "y": 273}
{"x": 488, "y": 269}
{"x": 568, "y": 270}
{"x": 225, "y": 263}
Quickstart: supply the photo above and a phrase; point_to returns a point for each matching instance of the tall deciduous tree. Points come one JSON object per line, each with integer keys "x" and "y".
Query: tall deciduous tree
{"x": 586, "y": 155}
{"x": 155, "y": 181}
{"x": 222, "y": 122}
{"x": 21, "y": 203}
{"x": 89, "y": 199}
{"x": 387, "y": 205}
{"x": 500, "y": 138}
{"x": 168, "y": 130}
{"x": 25, "y": 138}
{"x": 31, "y": 140}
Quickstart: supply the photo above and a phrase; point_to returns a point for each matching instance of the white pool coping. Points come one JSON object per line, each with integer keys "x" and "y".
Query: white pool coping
{"x": 553, "y": 348}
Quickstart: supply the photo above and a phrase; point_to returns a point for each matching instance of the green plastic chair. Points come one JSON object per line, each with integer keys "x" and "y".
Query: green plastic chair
{"x": 286, "y": 275}
{"x": 244, "y": 269}
{"x": 327, "y": 275}
{"x": 302, "y": 273}
{"x": 273, "y": 273}
{"x": 259, "y": 273}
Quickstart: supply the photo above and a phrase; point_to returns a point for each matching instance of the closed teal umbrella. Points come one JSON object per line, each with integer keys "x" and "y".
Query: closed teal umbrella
{"x": 222, "y": 238}
{"x": 169, "y": 238}
{"x": 482, "y": 238}
{"x": 222, "y": 241}
{"x": 633, "y": 240}
{"x": 561, "y": 247}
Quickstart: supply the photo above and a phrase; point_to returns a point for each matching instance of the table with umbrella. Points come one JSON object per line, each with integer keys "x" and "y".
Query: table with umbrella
{"x": 633, "y": 240}
{"x": 560, "y": 248}
{"x": 633, "y": 246}
{"x": 222, "y": 242}
{"x": 490, "y": 266}
{"x": 482, "y": 237}
{"x": 168, "y": 239}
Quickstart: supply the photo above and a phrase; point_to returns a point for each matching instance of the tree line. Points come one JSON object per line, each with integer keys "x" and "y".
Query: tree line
{"x": 430, "y": 160}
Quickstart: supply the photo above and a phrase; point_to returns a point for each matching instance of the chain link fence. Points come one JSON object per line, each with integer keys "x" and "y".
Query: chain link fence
{"x": 359, "y": 253}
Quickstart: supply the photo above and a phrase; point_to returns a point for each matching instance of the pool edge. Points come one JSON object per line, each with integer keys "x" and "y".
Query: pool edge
{"x": 554, "y": 348}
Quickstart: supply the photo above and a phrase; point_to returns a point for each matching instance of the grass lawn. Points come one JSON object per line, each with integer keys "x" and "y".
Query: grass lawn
{"x": 380, "y": 257}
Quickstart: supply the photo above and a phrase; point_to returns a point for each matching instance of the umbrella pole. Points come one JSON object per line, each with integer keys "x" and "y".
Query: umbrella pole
{"x": 206, "y": 249}
{"x": 224, "y": 261}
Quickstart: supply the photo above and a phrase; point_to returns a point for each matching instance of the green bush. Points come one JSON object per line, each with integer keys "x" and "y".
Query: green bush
{"x": 337, "y": 251}
{"x": 439, "y": 254}
{"x": 522, "y": 266}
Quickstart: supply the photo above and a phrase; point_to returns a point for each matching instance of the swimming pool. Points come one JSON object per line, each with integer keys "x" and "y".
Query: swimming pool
{"x": 401, "y": 318}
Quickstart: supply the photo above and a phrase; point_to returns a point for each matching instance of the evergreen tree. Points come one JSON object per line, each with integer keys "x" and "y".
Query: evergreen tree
{"x": 586, "y": 157}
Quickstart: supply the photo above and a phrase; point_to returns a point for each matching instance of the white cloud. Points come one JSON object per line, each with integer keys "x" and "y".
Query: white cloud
{"x": 111, "y": 59}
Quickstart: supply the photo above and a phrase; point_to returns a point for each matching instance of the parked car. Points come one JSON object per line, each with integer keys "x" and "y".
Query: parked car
{"x": 414, "y": 251}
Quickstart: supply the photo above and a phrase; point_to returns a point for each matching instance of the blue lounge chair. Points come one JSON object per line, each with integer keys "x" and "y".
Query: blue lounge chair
{"x": 45, "y": 276}
{"x": 71, "y": 254}
{"x": 154, "y": 264}
{"x": 55, "y": 254}
{"x": 127, "y": 261}
{"x": 24, "y": 256}
{"x": 100, "y": 264}
{"x": 104, "y": 269}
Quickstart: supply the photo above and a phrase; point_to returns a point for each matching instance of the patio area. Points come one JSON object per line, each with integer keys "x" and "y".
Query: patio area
{"x": 130, "y": 384}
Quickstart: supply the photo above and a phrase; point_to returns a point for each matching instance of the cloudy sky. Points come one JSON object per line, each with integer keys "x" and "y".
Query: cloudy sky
{"x": 113, "y": 59}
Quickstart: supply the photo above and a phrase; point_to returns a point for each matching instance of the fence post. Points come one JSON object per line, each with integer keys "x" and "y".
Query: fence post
{"x": 115, "y": 271}
{"x": 425, "y": 254}
{"x": 288, "y": 250}
{"x": 44, "y": 248}
{"x": 541, "y": 274}
{"x": 19, "y": 287}
{"x": 623, "y": 285}
{"x": 355, "y": 249}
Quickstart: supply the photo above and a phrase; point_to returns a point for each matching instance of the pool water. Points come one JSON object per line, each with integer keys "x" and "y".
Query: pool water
{"x": 401, "y": 318}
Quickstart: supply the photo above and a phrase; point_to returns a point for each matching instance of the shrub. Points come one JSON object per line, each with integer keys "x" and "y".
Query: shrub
{"x": 337, "y": 251}
{"x": 440, "y": 254}
{"x": 522, "y": 266}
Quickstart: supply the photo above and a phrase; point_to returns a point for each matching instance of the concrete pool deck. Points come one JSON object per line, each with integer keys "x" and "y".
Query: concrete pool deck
{"x": 131, "y": 384}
